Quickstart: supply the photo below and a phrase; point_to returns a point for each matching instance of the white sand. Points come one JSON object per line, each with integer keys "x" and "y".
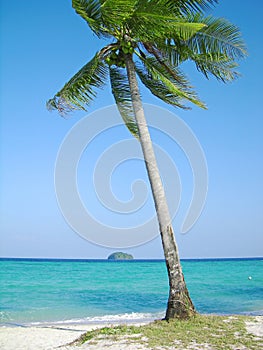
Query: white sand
{"x": 52, "y": 337}
{"x": 255, "y": 327}
{"x": 38, "y": 338}
{"x": 57, "y": 337}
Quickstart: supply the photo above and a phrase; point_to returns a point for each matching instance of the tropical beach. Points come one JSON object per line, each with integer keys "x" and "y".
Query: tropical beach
{"x": 97, "y": 205}
{"x": 66, "y": 338}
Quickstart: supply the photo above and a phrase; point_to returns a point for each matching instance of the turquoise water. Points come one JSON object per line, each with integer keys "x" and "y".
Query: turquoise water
{"x": 95, "y": 291}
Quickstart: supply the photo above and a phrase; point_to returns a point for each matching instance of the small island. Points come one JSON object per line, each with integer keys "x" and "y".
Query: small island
{"x": 120, "y": 256}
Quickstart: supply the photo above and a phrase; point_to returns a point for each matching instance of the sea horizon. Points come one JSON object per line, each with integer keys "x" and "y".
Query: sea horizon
{"x": 129, "y": 260}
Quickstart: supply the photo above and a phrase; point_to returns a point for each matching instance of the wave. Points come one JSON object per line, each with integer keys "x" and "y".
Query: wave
{"x": 133, "y": 317}
{"x": 125, "y": 318}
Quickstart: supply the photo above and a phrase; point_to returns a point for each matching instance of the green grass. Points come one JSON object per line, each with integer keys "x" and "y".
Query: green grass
{"x": 219, "y": 332}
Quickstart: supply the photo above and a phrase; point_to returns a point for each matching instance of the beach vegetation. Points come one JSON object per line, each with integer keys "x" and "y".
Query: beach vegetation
{"x": 198, "y": 332}
{"x": 149, "y": 40}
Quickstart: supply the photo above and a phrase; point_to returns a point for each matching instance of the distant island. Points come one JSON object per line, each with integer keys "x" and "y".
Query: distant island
{"x": 120, "y": 256}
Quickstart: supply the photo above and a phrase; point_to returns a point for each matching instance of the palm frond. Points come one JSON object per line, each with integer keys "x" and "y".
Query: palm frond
{"x": 158, "y": 88}
{"x": 164, "y": 34}
{"x": 90, "y": 11}
{"x": 122, "y": 96}
{"x": 178, "y": 7}
{"x": 190, "y": 6}
{"x": 155, "y": 19}
{"x": 79, "y": 90}
{"x": 166, "y": 65}
{"x": 214, "y": 48}
{"x": 105, "y": 17}
{"x": 218, "y": 35}
{"x": 173, "y": 53}
{"x": 116, "y": 12}
{"x": 150, "y": 27}
{"x": 171, "y": 78}
{"x": 219, "y": 65}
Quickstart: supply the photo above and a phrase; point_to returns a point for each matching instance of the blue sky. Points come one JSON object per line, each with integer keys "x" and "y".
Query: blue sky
{"x": 42, "y": 45}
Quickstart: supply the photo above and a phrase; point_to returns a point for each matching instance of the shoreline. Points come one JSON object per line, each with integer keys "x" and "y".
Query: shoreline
{"x": 119, "y": 319}
{"x": 66, "y": 325}
{"x": 62, "y": 336}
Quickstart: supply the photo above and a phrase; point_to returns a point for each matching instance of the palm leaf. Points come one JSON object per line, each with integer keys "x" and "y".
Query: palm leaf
{"x": 79, "y": 90}
{"x": 154, "y": 19}
{"x": 105, "y": 17}
{"x": 218, "y": 35}
{"x": 121, "y": 92}
{"x": 116, "y": 12}
{"x": 214, "y": 48}
{"x": 151, "y": 26}
{"x": 158, "y": 88}
{"x": 165, "y": 64}
{"x": 190, "y": 6}
{"x": 218, "y": 65}
{"x": 90, "y": 11}
{"x": 178, "y": 6}
{"x": 171, "y": 78}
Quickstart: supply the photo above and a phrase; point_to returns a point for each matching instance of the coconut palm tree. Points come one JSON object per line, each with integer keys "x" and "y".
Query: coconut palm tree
{"x": 149, "y": 39}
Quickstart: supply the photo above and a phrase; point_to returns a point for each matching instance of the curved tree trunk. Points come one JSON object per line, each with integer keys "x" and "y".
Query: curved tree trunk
{"x": 179, "y": 302}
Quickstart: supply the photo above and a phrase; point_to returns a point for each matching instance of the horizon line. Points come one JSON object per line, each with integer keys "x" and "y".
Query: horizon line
{"x": 128, "y": 260}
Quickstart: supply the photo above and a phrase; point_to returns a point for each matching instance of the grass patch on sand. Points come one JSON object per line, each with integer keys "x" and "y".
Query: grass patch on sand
{"x": 112, "y": 333}
{"x": 199, "y": 332}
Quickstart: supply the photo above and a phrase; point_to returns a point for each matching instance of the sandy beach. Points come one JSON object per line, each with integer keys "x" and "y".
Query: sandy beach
{"x": 53, "y": 337}
{"x": 59, "y": 337}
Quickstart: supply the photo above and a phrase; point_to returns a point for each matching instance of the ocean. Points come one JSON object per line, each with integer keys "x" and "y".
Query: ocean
{"x": 37, "y": 291}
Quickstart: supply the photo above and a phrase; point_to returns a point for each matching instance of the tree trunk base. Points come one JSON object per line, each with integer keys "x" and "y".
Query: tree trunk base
{"x": 180, "y": 306}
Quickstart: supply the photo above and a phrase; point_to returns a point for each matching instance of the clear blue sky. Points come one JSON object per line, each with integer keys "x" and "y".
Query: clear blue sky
{"x": 42, "y": 45}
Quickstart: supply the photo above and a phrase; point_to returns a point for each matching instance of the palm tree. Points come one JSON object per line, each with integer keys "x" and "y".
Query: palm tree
{"x": 149, "y": 39}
